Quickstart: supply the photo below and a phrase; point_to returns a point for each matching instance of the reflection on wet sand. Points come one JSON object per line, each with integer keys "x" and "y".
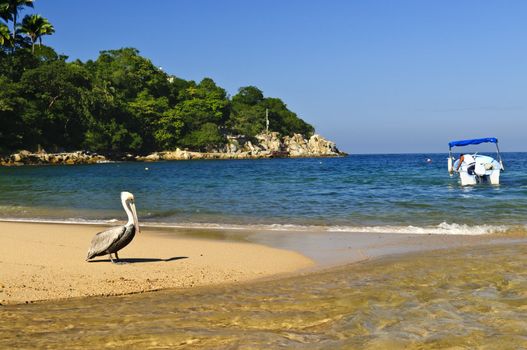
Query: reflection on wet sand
{"x": 465, "y": 297}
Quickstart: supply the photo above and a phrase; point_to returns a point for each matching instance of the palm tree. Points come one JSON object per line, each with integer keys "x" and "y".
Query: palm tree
{"x": 5, "y": 36}
{"x": 36, "y": 26}
{"x": 4, "y": 12}
{"x": 12, "y": 7}
{"x": 46, "y": 29}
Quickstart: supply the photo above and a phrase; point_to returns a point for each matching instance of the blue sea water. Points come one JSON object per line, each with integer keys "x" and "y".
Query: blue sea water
{"x": 368, "y": 193}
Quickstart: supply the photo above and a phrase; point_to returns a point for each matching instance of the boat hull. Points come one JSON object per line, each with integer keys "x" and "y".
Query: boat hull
{"x": 483, "y": 169}
{"x": 467, "y": 179}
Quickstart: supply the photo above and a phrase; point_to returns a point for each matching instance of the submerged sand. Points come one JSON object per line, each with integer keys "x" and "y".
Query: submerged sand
{"x": 461, "y": 298}
{"x": 47, "y": 261}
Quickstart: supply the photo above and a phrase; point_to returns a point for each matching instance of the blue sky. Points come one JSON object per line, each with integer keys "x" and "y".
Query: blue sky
{"x": 374, "y": 76}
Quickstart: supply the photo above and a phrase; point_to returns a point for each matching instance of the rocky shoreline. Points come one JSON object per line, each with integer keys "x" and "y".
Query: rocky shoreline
{"x": 269, "y": 145}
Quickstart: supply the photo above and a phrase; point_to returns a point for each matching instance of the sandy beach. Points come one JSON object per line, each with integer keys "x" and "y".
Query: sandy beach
{"x": 47, "y": 261}
{"x": 43, "y": 261}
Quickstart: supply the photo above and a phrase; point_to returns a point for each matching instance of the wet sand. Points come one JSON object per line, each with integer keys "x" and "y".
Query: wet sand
{"x": 47, "y": 261}
{"x": 332, "y": 249}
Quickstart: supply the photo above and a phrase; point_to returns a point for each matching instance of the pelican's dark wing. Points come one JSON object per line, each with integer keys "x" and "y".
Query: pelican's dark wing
{"x": 104, "y": 240}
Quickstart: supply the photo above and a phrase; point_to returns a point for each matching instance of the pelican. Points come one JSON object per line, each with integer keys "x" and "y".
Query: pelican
{"x": 116, "y": 238}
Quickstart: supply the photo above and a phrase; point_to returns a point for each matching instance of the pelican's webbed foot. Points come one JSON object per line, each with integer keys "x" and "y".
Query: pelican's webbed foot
{"x": 116, "y": 261}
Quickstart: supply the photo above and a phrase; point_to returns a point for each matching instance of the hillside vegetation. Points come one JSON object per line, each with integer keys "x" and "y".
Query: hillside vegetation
{"x": 120, "y": 102}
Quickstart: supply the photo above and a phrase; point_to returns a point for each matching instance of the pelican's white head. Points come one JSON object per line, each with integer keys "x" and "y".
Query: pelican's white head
{"x": 128, "y": 201}
{"x": 126, "y": 196}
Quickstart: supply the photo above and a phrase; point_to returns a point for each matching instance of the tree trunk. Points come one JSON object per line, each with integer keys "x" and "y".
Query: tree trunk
{"x": 14, "y": 30}
{"x": 14, "y": 25}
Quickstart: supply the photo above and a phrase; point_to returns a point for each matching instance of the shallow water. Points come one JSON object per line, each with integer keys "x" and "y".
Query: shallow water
{"x": 461, "y": 298}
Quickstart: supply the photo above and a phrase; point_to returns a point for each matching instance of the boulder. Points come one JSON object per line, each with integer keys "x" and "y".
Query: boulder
{"x": 270, "y": 141}
{"x": 232, "y": 147}
{"x": 317, "y": 145}
{"x": 296, "y": 145}
{"x": 252, "y": 149}
{"x": 152, "y": 157}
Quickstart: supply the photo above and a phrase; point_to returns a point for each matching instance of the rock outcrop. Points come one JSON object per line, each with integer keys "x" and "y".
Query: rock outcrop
{"x": 25, "y": 157}
{"x": 267, "y": 145}
{"x": 264, "y": 146}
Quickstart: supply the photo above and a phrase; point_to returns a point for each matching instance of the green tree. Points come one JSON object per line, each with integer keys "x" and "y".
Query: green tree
{"x": 147, "y": 111}
{"x": 168, "y": 130}
{"x": 55, "y": 116}
{"x": 284, "y": 121}
{"x": 111, "y": 136}
{"x": 5, "y": 13}
{"x": 248, "y": 95}
{"x": 14, "y": 64}
{"x": 131, "y": 91}
{"x": 11, "y": 109}
{"x": 120, "y": 102}
{"x": 247, "y": 115}
{"x": 204, "y": 103}
{"x": 205, "y": 138}
{"x": 11, "y": 8}
{"x": 129, "y": 73}
{"x": 176, "y": 89}
{"x": 109, "y": 124}
{"x": 5, "y": 36}
{"x": 36, "y": 26}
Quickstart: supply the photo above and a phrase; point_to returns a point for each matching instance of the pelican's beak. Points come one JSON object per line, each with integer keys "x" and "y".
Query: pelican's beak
{"x": 134, "y": 214}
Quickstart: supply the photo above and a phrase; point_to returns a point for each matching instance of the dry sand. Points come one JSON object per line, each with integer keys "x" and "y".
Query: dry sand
{"x": 47, "y": 261}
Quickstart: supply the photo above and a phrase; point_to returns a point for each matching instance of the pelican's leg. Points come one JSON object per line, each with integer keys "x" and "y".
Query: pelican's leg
{"x": 117, "y": 260}
{"x": 111, "y": 259}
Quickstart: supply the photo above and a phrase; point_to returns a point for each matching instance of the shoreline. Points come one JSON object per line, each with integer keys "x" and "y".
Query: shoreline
{"x": 7, "y": 161}
{"x": 45, "y": 261}
{"x": 443, "y": 229}
{"x": 268, "y": 145}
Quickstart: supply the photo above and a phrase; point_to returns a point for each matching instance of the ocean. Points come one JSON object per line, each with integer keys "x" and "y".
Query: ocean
{"x": 360, "y": 193}
{"x": 465, "y": 297}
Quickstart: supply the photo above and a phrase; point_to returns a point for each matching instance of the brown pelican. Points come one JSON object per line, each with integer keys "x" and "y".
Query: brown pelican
{"x": 116, "y": 238}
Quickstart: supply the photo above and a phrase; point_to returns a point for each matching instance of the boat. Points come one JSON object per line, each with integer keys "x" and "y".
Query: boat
{"x": 475, "y": 168}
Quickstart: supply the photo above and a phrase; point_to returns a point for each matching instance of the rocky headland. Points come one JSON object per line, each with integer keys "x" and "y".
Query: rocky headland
{"x": 268, "y": 145}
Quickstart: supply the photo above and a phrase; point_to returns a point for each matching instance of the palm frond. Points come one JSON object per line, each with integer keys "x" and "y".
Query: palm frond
{"x": 5, "y": 36}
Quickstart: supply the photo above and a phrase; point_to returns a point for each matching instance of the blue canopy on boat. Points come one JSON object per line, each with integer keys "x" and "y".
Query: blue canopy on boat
{"x": 472, "y": 142}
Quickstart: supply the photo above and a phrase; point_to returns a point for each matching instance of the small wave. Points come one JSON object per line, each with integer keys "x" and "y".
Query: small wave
{"x": 59, "y": 221}
{"x": 443, "y": 228}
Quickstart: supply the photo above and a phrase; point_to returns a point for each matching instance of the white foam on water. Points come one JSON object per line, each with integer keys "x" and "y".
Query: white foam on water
{"x": 443, "y": 228}
{"x": 79, "y": 221}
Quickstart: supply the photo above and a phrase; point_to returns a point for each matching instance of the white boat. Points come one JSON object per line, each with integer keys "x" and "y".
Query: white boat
{"x": 475, "y": 168}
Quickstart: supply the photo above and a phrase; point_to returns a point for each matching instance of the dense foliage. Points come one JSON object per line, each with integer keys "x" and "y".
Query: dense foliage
{"x": 121, "y": 102}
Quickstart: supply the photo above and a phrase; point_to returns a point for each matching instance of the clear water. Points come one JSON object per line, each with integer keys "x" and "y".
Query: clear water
{"x": 472, "y": 297}
{"x": 356, "y": 193}
{"x": 458, "y": 299}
